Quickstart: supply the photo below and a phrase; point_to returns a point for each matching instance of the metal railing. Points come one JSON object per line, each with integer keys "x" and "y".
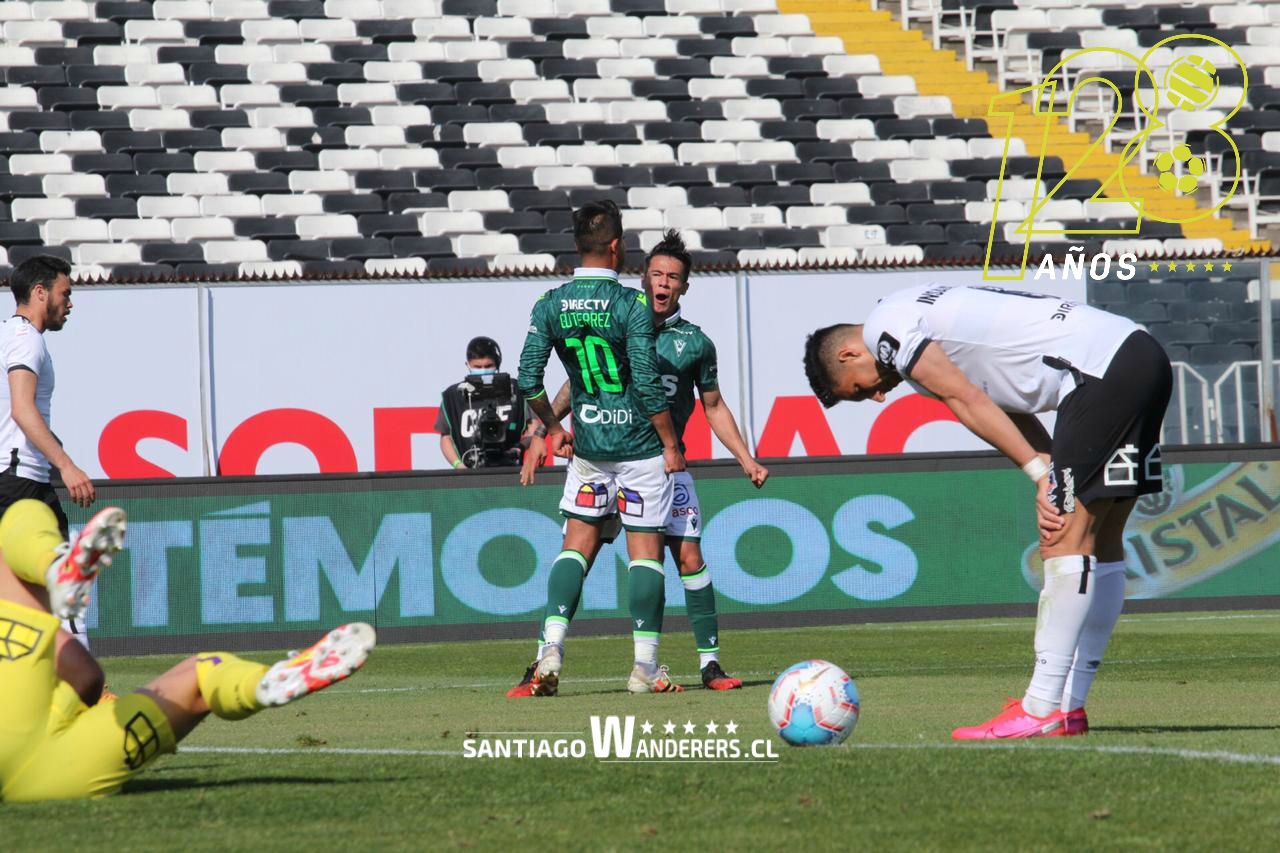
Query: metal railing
{"x": 1235, "y": 378}
{"x": 1183, "y": 375}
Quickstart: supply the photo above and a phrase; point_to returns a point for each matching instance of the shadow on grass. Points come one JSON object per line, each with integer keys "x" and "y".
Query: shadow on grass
{"x": 152, "y": 785}
{"x": 693, "y": 686}
{"x": 1159, "y": 729}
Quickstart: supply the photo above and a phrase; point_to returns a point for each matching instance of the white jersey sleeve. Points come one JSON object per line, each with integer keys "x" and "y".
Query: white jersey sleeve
{"x": 23, "y": 348}
{"x": 897, "y": 333}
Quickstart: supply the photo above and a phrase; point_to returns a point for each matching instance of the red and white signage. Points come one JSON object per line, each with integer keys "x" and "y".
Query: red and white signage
{"x": 301, "y": 378}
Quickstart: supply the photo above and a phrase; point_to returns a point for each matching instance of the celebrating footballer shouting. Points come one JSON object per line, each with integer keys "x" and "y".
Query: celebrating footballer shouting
{"x": 624, "y": 448}
{"x": 996, "y": 358}
{"x": 686, "y": 360}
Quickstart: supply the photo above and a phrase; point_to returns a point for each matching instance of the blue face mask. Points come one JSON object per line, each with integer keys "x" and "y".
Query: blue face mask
{"x": 482, "y": 371}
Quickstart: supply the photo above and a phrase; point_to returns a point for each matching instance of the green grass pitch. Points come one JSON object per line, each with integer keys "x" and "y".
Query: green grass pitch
{"x": 1185, "y": 753}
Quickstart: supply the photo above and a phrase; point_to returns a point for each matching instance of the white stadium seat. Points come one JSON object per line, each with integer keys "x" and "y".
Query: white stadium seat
{"x": 325, "y": 226}
{"x": 197, "y": 184}
{"x": 252, "y": 138}
{"x": 167, "y": 207}
{"x": 481, "y": 245}
{"x": 231, "y": 206}
{"x": 40, "y": 209}
{"x": 480, "y": 200}
{"x": 74, "y": 186}
{"x": 140, "y": 230}
{"x": 752, "y": 217}
{"x": 107, "y": 254}
{"x": 437, "y": 223}
{"x": 234, "y": 251}
{"x": 203, "y": 228}
{"x": 62, "y": 232}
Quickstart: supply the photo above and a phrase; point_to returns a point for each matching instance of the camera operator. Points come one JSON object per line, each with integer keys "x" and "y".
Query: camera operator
{"x": 483, "y": 419}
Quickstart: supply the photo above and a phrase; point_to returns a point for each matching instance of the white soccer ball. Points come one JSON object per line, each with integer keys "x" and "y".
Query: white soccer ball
{"x": 814, "y": 703}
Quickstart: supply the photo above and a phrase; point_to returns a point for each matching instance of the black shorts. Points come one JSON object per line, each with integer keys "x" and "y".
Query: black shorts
{"x": 1106, "y": 443}
{"x": 14, "y": 488}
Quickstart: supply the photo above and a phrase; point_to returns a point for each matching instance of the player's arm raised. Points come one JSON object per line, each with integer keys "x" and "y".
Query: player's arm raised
{"x": 725, "y": 426}
{"x": 646, "y": 384}
{"x": 22, "y": 393}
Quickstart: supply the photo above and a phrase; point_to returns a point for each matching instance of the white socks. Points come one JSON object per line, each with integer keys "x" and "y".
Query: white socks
{"x": 1069, "y": 589}
{"x": 553, "y": 633}
{"x": 647, "y": 653}
{"x": 705, "y": 658}
{"x": 1108, "y": 601}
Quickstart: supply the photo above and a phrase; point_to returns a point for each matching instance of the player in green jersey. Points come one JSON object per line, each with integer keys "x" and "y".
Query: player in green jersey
{"x": 686, "y": 361}
{"x": 624, "y": 448}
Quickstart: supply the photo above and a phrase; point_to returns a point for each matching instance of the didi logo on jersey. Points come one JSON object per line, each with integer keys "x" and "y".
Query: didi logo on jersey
{"x": 590, "y": 414}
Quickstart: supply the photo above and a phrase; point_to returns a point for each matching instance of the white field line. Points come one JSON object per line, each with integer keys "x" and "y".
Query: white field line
{"x": 859, "y": 673}
{"x": 1190, "y": 754}
{"x": 314, "y": 750}
{"x": 1169, "y": 752}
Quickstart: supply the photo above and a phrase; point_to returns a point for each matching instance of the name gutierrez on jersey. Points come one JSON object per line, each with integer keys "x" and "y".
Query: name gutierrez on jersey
{"x": 585, "y": 312}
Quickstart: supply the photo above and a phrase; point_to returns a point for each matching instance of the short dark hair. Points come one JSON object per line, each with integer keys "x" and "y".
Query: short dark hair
{"x": 595, "y": 225}
{"x": 482, "y": 347}
{"x": 819, "y": 350}
{"x": 40, "y": 269}
{"x": 671, "y": 246}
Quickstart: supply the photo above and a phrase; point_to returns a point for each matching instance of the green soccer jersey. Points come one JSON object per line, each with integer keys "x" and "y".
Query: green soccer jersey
{"x": 686, "y": 360}
{"x": 604, "y": 335}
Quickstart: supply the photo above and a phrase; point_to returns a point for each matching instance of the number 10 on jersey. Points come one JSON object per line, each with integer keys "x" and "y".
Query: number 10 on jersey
{"x": 596, "y": 362}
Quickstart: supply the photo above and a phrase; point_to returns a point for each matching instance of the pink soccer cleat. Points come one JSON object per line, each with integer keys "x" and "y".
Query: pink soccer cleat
{"x": 1014, "y": 722}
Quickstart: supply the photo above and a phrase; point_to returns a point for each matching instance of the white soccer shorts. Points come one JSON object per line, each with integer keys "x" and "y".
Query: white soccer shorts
{"x": 685, "y": 519}
{"x": 638, "y": 490}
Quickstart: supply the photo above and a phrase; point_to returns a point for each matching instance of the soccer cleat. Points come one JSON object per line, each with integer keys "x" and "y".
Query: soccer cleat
{"x": 642, "y": 681}
{"x": 1014, "y": 722}
{"x": 1077, "y": 723}
{"x": 72, "y": 573}
{"x": 715, "y": 678}
{"x": 533, "y": 685}
{"x": 338, "y": 654}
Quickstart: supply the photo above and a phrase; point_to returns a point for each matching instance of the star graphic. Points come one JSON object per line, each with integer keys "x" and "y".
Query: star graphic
{"x": 1155, "y": 266}
{"x": 1173, "y": 267}
{"x": 712, "y": 728}
{"x": 1208, "y": 267}
{"x": 1226, "y": 266}
{"x": 689, "y": 727}
{"x": 647, "y": 727}
{"x": 1191, "y": 267}
{"x": 731, "y": 727}
{"x": 669, "y": 728}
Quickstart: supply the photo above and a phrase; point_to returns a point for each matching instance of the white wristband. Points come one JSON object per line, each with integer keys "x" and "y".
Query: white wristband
{"x": 1035, "y": 469}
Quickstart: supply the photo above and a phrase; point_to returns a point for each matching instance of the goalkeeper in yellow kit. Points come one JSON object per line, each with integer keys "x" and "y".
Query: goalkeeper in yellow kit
{"x": 53, "y": 745}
